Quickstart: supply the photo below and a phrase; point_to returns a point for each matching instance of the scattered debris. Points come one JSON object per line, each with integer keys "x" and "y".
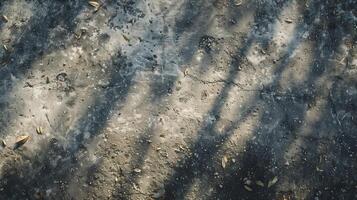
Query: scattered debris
{"x": 5, "y": 47}
{"x": 207, "y": 43}
{"x": 272, "y": 182}
{"x": 21, "y": 140}
{"x": 224, "y": 161}
{"x": 137, "y": 170}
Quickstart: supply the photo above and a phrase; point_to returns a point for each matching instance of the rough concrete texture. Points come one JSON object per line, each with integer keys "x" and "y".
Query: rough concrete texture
{"x": 184, "y": 99}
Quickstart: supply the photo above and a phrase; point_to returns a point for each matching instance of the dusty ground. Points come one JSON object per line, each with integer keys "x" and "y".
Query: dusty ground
{"x": 203, "y": 99}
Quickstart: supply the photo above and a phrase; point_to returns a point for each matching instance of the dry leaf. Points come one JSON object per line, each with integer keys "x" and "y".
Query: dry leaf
{"x": 137, "y": 170}
{"x": 260, "y": 183}
{"x": 3, "y": 143}
{"x": 248, "y": 188}
{"x": 185, "y": 73}
{"x": 272, "y": 182}
{"x": 39, "y": 130}
{"x": 288, "y": 21}
{"x": 238, "y": 2}
{"x": 21, "y": 140}
{"x": 95, "y": 4}
{"x": 5, "y": 18}
{"x": 224, "y": 161}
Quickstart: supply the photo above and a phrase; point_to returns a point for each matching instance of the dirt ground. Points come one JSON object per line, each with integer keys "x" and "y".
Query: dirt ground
{"x": 184, "y": 99}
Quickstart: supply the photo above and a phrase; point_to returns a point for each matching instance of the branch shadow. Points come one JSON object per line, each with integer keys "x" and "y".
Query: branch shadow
{"x": 260, "y": 161}
{"x": 33, "y": 42}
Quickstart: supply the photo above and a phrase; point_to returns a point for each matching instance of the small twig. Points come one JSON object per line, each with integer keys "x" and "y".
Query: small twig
{"x": 48, "y": 120}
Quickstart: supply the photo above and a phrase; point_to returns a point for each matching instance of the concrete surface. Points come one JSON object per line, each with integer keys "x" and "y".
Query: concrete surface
{"x": 202, "y": 99}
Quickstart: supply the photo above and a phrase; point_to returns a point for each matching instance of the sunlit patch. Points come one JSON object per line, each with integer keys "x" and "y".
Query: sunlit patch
{"x": 245, "y": 23}
{"x": 285, "y": 27}
{"x": 255, "y": 55}
{"x": 297, "y": 69}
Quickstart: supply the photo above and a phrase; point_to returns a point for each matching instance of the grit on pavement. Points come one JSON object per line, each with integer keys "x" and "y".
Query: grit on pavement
{"x": 180, "y": 99}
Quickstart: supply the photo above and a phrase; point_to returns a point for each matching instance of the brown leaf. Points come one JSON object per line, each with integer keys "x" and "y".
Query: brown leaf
{"x": 21, "y": 140}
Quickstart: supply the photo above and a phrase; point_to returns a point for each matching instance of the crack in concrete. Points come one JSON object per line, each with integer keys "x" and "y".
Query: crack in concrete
{"x": 195, "y": 78}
